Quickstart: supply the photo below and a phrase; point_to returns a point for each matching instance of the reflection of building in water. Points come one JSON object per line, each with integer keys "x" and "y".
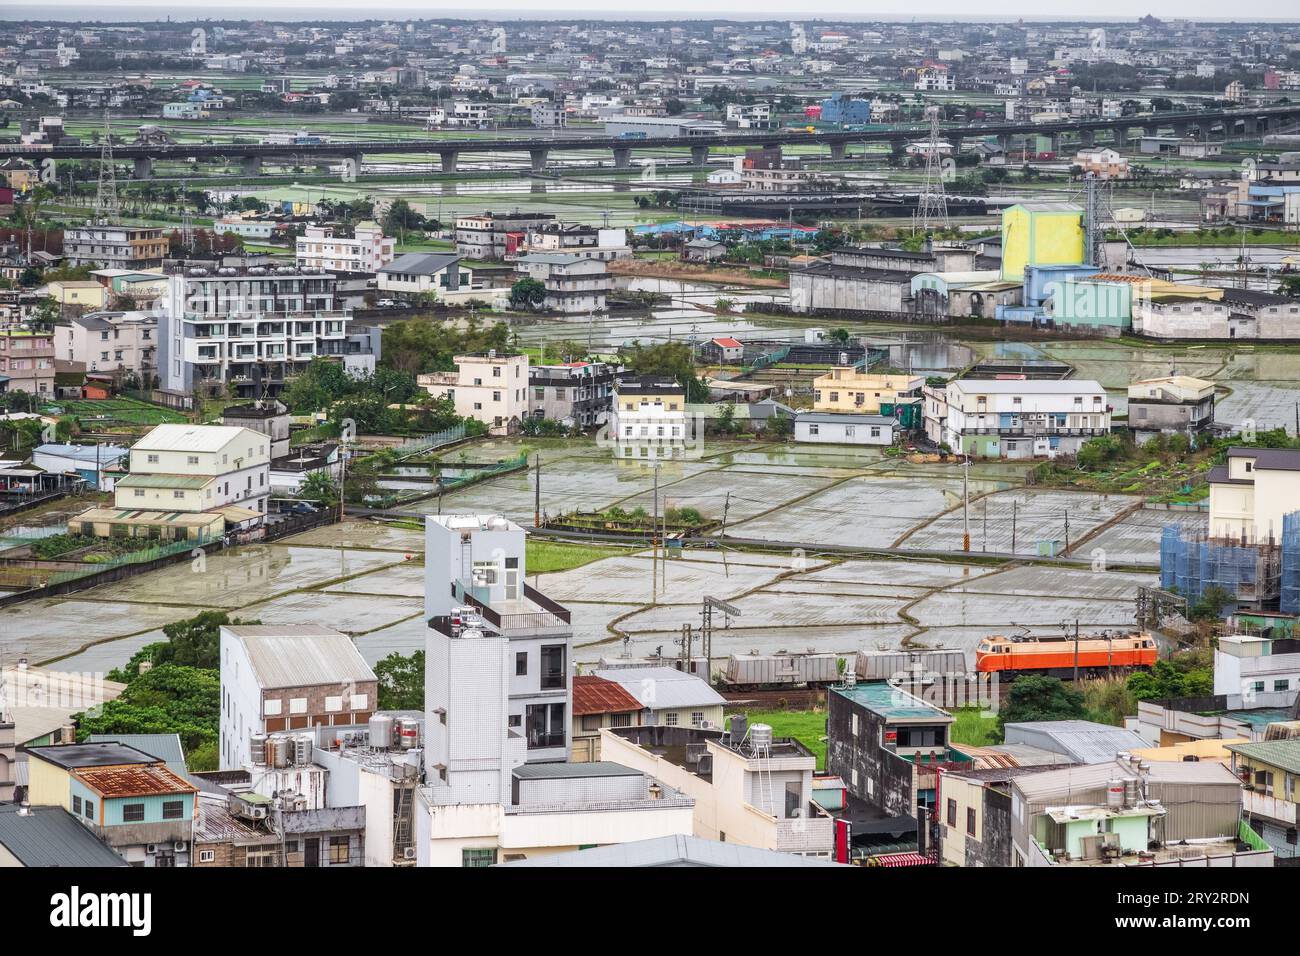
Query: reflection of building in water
{"x": 650, "y": 421}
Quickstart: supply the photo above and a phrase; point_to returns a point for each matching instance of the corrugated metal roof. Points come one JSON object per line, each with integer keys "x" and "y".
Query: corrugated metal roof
{"x": 596, "y": 695}
{"x": 190, "y": 437}
{"x": 51, "y": 836}
{"x": 189, "y": 482}
{"x": 677, "y": 850}
{"x": 1080, "y": 740}
{"x": 300, "y": 656}
{"x": 574, "y": 771}
{"x": 1283, "y": 754}
{"x": 140, "y": 780}
{"x": 663, "y": 688}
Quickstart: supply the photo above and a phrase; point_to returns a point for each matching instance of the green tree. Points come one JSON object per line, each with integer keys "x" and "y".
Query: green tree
{"x": 192, "y": 642}
{"x": 319, "y": 486}
{"x": 1041, "y": 698}
{"x": 669, "y": 359}
{"x": 527, "y": 294}
{"x": 401, "y": 681}
{"x": 166, "y": 699}
{"x": 1182, "y": 676}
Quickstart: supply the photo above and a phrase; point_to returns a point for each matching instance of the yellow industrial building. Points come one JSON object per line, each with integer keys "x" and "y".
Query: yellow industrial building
{"x": 1041, "y": 234}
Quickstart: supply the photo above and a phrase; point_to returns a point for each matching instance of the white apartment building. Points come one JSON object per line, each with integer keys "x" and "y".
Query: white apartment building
{"x": 748, "y": 787}
{"x": 288, "y": 677}
{"x": 995, "y": 418}
{"x": 489, "y": 387}
{"x": 1252, "y": 491}
{"x": 125, "y": 342}
{"x": 749, "y": 115}
{"x": 320, "y": 249}
{"x": 198, "y": 468}
{"x": 115, "y": 247}
{"x": 498, "y": 699}
{"x": 216, "y": 327}
{"x": 649, "y": 420}
{"x": 1265, "y": 672}
{"x": 574, "y": 284}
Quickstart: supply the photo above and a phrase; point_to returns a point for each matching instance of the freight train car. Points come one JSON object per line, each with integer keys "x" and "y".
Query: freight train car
{"x": 913, "y": 666}
{"x": 1093, "y": 656}
{"x": 773, "y": 671}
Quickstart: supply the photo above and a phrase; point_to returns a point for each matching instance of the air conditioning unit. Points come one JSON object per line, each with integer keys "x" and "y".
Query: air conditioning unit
{"x": 151, "y": 848}
{"x": 408, "y": 853}
{"x": 180, "y": 846}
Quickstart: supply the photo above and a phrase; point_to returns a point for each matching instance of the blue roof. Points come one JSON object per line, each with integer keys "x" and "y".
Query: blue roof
{"x": 51, "y": 836}
{"x": 104, "y": 454}
{"x": 892, "y": 704}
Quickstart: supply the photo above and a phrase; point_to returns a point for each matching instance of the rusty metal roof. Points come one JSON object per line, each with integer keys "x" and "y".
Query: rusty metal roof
{"x": 133, "y": 781}
{"x": 596, "y": 695}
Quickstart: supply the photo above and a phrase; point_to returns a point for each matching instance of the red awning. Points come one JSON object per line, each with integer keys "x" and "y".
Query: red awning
{"x": 902, "y": 859}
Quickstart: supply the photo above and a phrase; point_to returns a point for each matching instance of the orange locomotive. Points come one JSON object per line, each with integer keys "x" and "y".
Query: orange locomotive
{"x": 1057, "y": 657}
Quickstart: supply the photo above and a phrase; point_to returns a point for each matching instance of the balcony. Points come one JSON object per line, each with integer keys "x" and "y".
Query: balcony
{"x": 1272, "y": 808}
{"x": 531, "y": 615}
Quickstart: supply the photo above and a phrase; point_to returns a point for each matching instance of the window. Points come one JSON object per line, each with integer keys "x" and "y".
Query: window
{"x": 297, "y": 705}
{"x": 670, "y": 719}
{"x": 854, "y": 723}
{"x": 173, "y": 809}
{"x": 152, "y": 459}
{"x": 521, "y": 663}
{"x": 620, "y": 720}
{"x": 552, "y": 667}
{"x": 271, "y": 708}
{"x": 545, "y": 725}
{"x": 970, "y": 820}
{"x": 178, "y": 494}
{"x": 360, "y": 701}
{"x": 333, "y": 704}
{"x": 207, "y": 856}
{"x": 76, "y": 805}
{"x": 697, "y": 718}
{"x": 478, "y": 856}
{"x": 1281, "y": 685}
{"x": 133, "y": 813}
{"x": 952, "y": 812}
{"x": 192, "y": 459}
{"x": 339, "y": 846}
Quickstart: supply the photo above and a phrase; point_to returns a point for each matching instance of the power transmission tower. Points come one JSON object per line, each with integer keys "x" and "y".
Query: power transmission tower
{"x": 106, "y": 205}
{"x": 932, "y": 207}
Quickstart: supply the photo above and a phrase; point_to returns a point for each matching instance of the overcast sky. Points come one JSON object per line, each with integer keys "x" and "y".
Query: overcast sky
{"x": 657, "y": 10}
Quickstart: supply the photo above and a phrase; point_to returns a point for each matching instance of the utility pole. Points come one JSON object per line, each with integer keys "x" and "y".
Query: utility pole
{"x": 726, "y": 504}
{"x": 537, "y": 491}
{"x": 1013, "y": 528}
{"x": 1067, "y": 531}
{"x": 654, "y": 542}
{"x": 1076, "y": 650}
{"x": 965, "y": 505}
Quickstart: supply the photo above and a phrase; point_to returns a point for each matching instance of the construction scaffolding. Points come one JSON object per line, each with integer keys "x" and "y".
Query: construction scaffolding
{"x": 1289, "y": 598}
{"x": 1252, "y": 572}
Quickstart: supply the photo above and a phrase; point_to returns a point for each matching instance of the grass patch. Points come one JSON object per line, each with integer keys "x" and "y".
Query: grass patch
{"x": 543, "y": 557}
{"x": 806, "y": 726}
{"x": 121, "y": 410}
{"x": 973, "y": 727}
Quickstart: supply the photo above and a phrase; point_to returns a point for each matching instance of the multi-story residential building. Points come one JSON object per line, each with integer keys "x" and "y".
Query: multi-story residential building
{"x": 493, "y": 235}
{"x": 574, "y": 283}
{"x": 321, "y": 249}
{"x": 589, "y": 242}
{"x": 219, "y": 328}
{"x": 1174, "y": 404}
{"x": 186, "y": 481}
{"x": 418, "y": 273}
{"x": 489, "y": 387}
{"x": 1260, "y": 669}
{"x": 1102, "y": 162}
{"x": 269, "y": 417}
{"x": 121, "y": 342}
{"x": 498, "y": 699}
{"x": 115, "y": 247}
{"x": 548, "y": 114}
{"x": 887, "y": 746}
{"x": 598, "y": 703}
{"x": 128, "y": 798}
{"x": 846, "y": 389}
{"x": 286, "y": 678}
{"x": 995, "y": 418}
{"x": 668, "y": 696}
{"x": 749, "y": 787}
{"x": 1252, "y": 491}
{"x": 649, "y": 419}
{"x": 1270, "y": 774}
{"x": 27, "y": 360}
{"x": 577, "y": 394}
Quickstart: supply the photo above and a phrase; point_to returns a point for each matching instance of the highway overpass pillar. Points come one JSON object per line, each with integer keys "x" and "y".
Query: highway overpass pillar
{"x": 1120, "y": 134}
{"x": 250, "y": 165}
{"x": 699, "y": 155}
{"x": 448, "y": 158}
{"x": 537, "y": 158}
{"x": 622, "y": 157}
{"x": 838, "y": 152}
{"x": 143, "y": 168}
{"x": 1087, "y": 137}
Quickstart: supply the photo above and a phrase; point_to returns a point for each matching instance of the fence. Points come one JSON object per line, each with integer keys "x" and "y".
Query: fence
{"x": 764, "y": 360}
{"x": 143, "y": 556}
{"x": 482, "y": 474}
{"x": 423, "y": 443}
